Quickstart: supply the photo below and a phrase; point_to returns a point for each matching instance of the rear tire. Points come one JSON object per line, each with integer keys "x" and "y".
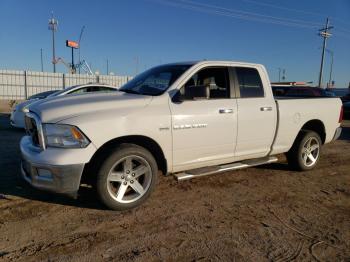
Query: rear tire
{"x": 305, "y": 152}
{"x": 127, "y": 177}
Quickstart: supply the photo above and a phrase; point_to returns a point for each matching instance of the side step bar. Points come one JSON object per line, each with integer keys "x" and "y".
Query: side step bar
{"x": 206, "y": 171}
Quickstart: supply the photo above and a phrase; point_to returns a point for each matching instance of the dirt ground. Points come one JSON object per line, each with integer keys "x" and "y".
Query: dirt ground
{"x": 267, "y": 213}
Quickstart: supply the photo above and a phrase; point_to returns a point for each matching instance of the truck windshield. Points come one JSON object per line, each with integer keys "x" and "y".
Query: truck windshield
{"x": 154, "y": 81}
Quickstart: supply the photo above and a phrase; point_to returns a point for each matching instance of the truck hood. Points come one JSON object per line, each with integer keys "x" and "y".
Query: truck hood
{"x": 55, "y": 109}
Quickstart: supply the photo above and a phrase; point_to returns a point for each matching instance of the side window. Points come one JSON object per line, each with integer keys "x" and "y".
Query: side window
{"x": 94, "y": 89}
{"x": 208, "y": 83}
{"x": 80, "y": 90}
{"x": 249, "y": 81}
{"x": 105, "y": 89}
{"x": 89, "y": 89}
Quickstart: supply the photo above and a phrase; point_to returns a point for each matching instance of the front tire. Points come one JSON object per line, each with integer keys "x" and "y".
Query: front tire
{"x": 305, "y": 152}
{"x": 127, "y": 177}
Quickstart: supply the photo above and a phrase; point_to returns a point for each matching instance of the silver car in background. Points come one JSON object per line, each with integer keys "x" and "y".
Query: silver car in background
{"x": 17, "y": 114}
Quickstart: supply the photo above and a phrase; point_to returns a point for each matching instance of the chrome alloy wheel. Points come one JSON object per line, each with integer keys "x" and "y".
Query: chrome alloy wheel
{"x": 129, "y": 179}
{"x": 310, "y": 151}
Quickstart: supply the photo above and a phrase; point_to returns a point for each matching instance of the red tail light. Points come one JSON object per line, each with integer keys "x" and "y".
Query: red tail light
{"x": 341, "y": 114}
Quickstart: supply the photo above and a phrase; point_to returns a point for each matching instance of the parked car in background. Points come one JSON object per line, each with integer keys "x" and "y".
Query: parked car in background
{"x": 301, "y": 91}
{"x": 342, "y": 93}
{"x": 187, "y": 119}
{"x": 280, "y": 90}
{"x": 345, "y": 98}
{"x": 346, "y": 108}
{"x": 17, "y": 115}
{"x": 42, "y": 95}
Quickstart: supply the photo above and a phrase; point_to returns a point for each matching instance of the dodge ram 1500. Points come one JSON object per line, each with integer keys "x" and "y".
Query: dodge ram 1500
{"x": 186, "y": 119}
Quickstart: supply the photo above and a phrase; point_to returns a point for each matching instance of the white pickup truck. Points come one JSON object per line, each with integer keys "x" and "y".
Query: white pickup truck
{"x": 187, "y": 119}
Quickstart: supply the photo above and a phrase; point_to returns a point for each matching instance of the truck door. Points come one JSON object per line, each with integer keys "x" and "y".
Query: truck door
{"x": 204, "y": 125}
{"x": 257, "y": 114}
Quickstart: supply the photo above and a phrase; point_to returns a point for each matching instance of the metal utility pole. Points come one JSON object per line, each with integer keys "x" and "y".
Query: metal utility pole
{"x": 279, "y": 74}
{"x": 137, "y": 65}
{"x": 73, "y": 66}
{"x": 41, "y": 60}
{"x": 283, "y": 71}
{"x": 324, "y": 32}
{"x": 73, "y": 45}
{"x": 331, "y": 69}
{"x": 53, "y": 23}
{"x": 107, "y": 67}
{"x": 80, "y": 36}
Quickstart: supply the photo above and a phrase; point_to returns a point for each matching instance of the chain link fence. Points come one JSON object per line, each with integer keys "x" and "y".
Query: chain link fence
{"x": 19, "y": 85}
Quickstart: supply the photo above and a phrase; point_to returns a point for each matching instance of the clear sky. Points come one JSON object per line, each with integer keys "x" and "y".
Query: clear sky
{"x": 276, "y": 33}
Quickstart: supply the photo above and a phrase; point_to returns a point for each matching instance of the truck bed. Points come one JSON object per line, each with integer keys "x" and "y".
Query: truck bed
{"x": 294, "y": 112}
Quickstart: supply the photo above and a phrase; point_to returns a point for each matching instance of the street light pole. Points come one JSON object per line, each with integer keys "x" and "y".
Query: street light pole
{"x": 53, "y": 23}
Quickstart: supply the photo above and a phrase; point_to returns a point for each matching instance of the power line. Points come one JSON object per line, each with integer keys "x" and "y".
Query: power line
{"x": 251, "y": 13}
{"x": 284, "y": 8}
{"x": 341, "y": 34}
{"x": 344, "y": 31}
{"x": 239, "y": 14}
{"x": 250, "y": 16}
{"x": 295, "y": 10}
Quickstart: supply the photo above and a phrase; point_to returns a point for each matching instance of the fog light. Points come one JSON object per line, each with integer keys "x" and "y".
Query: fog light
{"x": 44, "y": 173}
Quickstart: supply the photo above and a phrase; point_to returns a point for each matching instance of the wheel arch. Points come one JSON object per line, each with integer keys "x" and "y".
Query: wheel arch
{"x": 148, "y": 143}
{"x": 317, "y": 126}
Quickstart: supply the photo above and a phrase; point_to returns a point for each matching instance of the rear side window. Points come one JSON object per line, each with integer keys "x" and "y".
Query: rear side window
{"x": 249, "y": 81}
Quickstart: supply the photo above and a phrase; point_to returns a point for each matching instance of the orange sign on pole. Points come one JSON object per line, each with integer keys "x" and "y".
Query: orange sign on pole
{"x": 72, "y": 44}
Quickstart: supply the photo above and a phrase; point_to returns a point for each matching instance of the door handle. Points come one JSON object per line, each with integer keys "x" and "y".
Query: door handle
{"x": 226, "y": 111}
{"x": 266, "y": 108}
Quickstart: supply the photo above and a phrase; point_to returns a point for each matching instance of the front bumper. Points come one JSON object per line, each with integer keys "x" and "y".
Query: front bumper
{"x": 337, "y": 133}
{"x": 55, "y": 170}
{"x": 58, "y": 179}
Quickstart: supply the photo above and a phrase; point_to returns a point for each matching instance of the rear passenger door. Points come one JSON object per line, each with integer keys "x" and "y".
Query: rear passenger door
{"x": 257, "y": 114}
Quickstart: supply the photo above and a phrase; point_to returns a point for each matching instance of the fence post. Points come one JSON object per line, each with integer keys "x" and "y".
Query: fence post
{"x": 64, "y": 81}
{"x": 25, "y": 85}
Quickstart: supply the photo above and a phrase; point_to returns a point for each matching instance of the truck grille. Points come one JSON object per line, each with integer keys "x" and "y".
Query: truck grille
{"x": 32, "y": 130}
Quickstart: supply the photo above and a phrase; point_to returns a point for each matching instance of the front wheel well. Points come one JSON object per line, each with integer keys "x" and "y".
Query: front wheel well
{"x": 316, "y": 126}
{"x": 91, "y": 168}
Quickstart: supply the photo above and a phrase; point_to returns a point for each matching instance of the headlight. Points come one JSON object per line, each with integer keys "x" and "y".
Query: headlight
{"x": 25, "y": 109}
{"x": 57, "y": 135}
